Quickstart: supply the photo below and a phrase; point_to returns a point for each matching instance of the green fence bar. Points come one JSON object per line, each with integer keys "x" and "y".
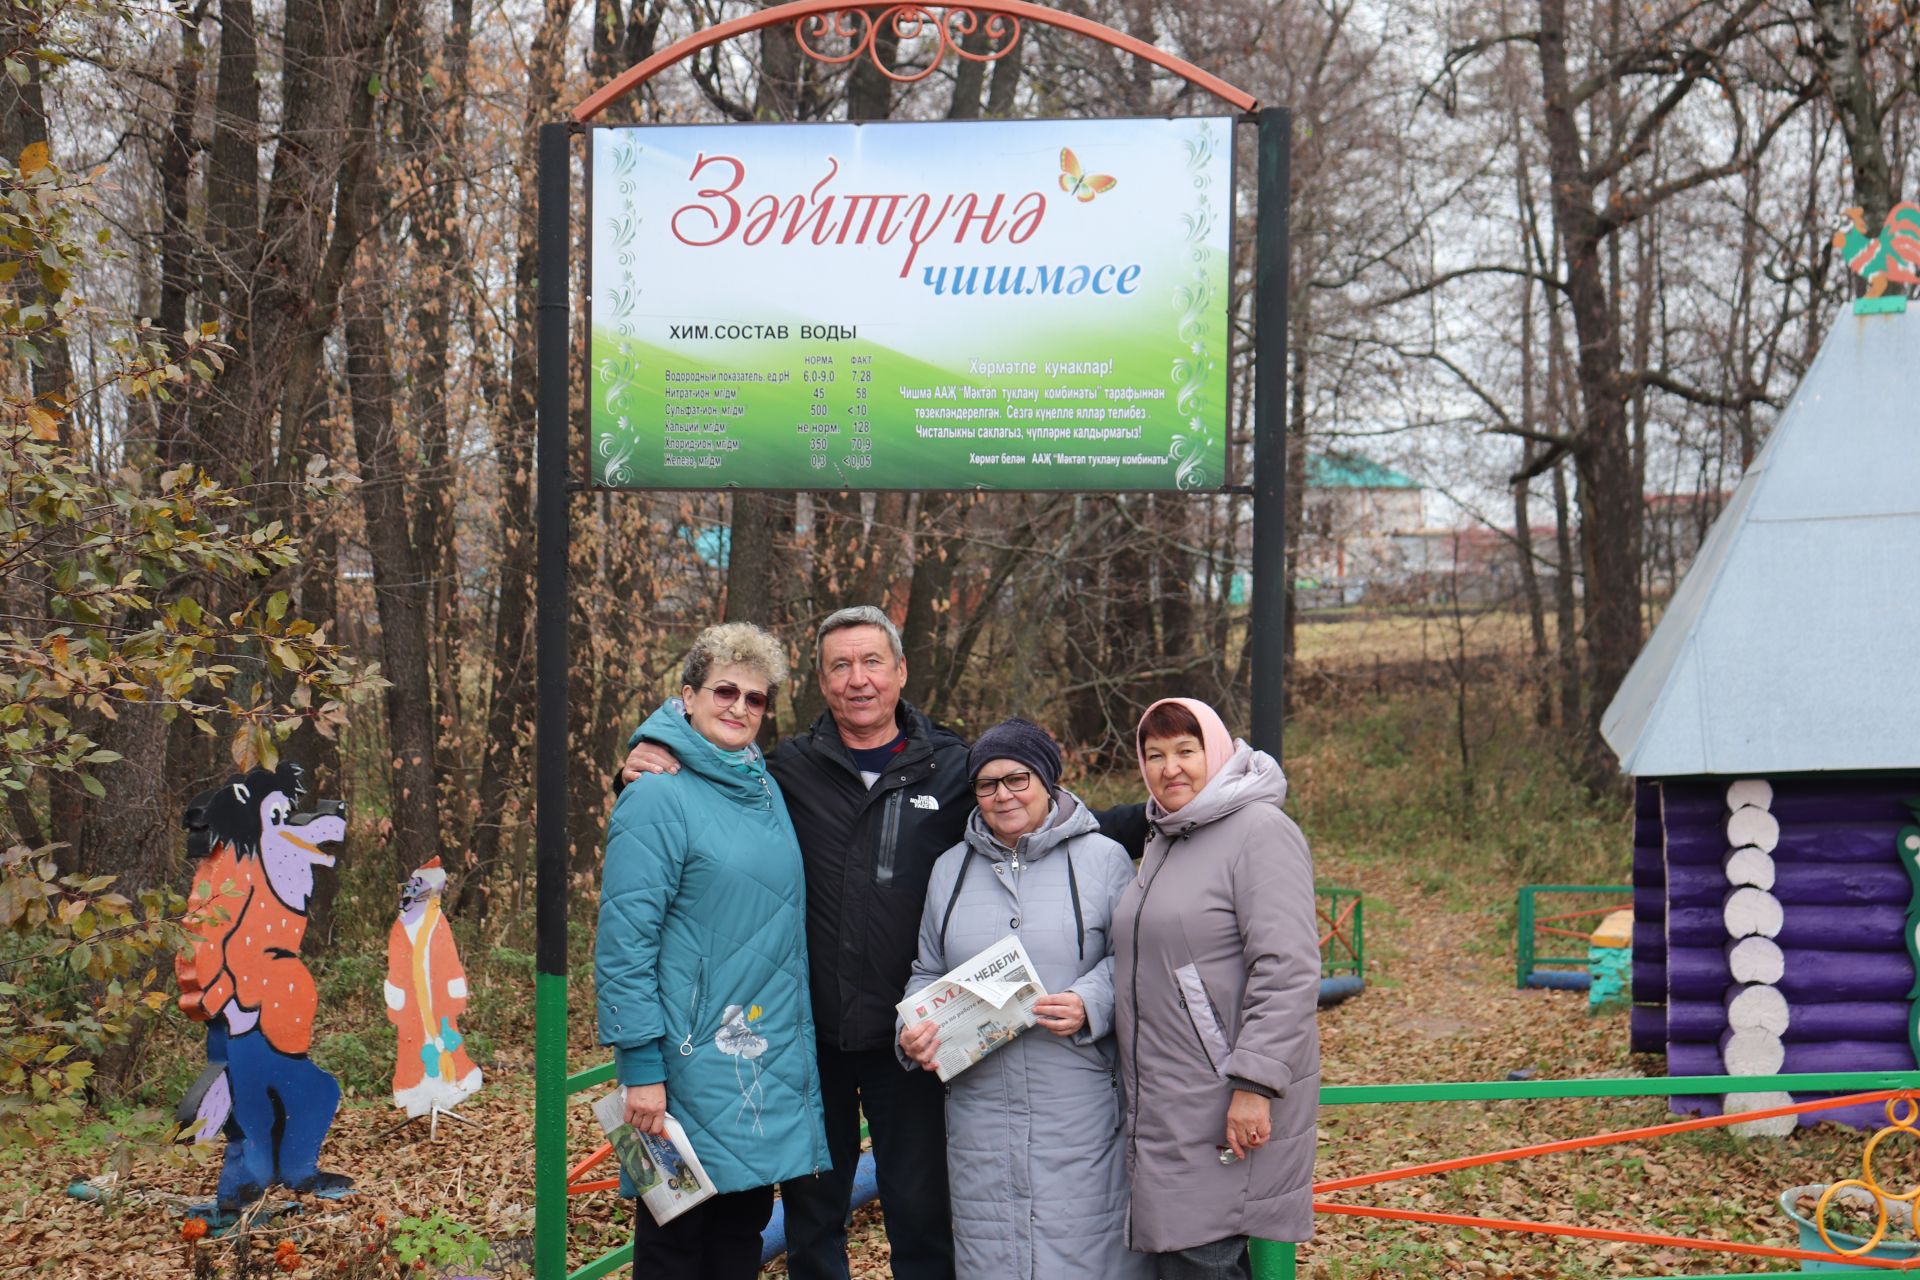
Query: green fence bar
{"x": 580, "y": 1081}
{"x": 606, "y": 1264}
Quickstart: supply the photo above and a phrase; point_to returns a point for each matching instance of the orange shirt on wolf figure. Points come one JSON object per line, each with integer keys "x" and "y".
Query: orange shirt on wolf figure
{"x": 246, "y": 950}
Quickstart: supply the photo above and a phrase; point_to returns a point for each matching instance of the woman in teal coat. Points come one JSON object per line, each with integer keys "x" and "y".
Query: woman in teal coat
{"x": 700, "y": 964}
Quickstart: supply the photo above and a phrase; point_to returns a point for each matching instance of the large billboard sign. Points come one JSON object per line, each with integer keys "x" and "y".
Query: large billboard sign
{"x": 1009, "y": 305}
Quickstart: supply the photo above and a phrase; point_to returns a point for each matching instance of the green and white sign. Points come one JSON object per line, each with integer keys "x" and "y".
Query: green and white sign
{"x": 1008, "y": 305}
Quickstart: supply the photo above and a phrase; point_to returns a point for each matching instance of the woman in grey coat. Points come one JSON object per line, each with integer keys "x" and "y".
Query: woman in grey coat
{"x": 1034, "y": 1157}
{"x": 1217, "y": 977}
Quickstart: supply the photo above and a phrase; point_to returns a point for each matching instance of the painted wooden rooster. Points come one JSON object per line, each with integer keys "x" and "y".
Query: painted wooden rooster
{"x": 1892, "y": 257}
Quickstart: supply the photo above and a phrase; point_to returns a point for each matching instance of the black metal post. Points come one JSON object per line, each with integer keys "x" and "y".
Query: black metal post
{"x": 550, "y": 723}
{"x": 1267, "y": 619}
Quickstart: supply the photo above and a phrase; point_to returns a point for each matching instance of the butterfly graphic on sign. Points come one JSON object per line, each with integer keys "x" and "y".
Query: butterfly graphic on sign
{"x": 1079, "y": 184}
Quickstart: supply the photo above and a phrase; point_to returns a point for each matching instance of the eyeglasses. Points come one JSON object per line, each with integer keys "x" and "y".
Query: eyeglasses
{"x": 725, "y": 695}
{"x": 1016, "y": 782}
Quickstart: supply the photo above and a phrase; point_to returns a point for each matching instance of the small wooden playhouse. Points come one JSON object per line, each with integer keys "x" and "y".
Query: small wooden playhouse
{"x": 1772, "y": 728}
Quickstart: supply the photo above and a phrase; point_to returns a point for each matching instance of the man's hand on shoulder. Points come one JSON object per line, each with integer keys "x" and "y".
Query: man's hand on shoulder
{"x": 648, "y": 757}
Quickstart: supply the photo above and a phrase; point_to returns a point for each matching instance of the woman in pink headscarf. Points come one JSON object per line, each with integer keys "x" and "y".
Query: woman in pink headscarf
{"x": 1216, "y": 984}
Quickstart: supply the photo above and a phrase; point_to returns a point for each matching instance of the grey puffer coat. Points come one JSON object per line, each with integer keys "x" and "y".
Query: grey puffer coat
{"x": 1217, "y": 974}
{"x": 1034, "y": 1155}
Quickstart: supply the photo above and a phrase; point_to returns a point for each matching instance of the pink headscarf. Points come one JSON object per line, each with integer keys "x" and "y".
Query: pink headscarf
{"x": 1215, "y": 741}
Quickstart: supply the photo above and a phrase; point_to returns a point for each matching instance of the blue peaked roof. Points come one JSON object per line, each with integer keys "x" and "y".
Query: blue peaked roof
{"x": 1352, "y": 471}
{"x": 1793, "y": 644}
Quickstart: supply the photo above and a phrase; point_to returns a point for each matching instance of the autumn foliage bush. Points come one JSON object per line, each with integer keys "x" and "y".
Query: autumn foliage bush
{"x": 122, "y": 585}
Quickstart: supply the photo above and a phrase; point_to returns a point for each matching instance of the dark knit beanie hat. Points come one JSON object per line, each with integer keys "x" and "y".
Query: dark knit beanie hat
{"x": 1021, "y": 740}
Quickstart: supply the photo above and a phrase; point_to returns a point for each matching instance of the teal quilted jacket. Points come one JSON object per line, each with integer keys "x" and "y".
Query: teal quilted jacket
{"x": 700, "y": 965}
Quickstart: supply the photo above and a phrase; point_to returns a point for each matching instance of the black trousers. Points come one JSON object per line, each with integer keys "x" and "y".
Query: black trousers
{"x": 907, "y": 1117}
{"x": 717, "y": 1239}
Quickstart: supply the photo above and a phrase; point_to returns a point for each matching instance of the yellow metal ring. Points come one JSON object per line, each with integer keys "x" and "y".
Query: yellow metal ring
{"x": 1820, "y": 1217}
{"x": 1899, "y": 1125}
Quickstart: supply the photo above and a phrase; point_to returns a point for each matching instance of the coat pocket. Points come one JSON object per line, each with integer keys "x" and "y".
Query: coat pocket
{"x": 1206, "y": 1023}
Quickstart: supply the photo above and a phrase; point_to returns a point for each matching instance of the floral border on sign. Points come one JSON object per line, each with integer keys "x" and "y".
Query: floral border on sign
{"x": 1194, "y": 445}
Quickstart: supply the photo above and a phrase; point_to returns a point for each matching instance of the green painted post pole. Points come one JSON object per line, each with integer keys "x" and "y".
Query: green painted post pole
{"x": 550, "y": 723}
{"x": 1360, "y": 935}
{"x": 1523, "y": 938}
{"x": 1272, "y": 1259}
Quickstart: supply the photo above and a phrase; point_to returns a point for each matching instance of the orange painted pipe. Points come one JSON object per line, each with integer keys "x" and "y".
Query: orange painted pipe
{"x": 1600, "y": 1140}
{"x": 638, "y": 74}
{"x": 1605, "y": 1233}
{"x": 600, "y": 1153}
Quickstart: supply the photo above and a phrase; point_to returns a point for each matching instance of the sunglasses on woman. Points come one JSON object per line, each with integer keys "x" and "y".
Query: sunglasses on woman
{"x": 725, "y": 695}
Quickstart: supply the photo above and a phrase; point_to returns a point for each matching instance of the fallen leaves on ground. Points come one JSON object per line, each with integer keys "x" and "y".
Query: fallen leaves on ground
{"x": 1440, "y": 1004}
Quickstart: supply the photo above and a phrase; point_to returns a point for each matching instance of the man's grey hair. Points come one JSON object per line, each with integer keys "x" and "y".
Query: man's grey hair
{"x": 735, "y": 644}
{"x": 859, "y": 615}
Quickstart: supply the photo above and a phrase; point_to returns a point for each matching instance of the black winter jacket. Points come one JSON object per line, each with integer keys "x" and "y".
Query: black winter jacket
{"x": 868, "y": 853}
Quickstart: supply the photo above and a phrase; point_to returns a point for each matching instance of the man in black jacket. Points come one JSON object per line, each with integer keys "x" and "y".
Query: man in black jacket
{"x": 877, "y": 793}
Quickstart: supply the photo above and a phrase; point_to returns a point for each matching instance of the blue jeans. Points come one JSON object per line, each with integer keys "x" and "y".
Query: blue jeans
{"x": 907, "y": 1118}
{"x": 272, "y": 1089}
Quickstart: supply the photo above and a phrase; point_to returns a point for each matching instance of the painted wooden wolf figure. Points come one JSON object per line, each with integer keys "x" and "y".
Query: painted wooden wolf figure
{"x": 252, "y": 878}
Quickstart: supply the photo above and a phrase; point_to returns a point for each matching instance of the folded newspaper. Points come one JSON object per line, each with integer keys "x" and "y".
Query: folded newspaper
{"x": 666, "y": 1170}
{"x": 978, "y": 1006}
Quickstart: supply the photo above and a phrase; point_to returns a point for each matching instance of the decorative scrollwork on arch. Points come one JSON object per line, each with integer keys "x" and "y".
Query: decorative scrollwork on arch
{"x": 949, "y": 28}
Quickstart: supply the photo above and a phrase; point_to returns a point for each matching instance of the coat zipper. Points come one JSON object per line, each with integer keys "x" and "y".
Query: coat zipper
{"x": 699, "y": 1007}
{"x": 1133, "y": 1098}
{"x": 889, "y": 838}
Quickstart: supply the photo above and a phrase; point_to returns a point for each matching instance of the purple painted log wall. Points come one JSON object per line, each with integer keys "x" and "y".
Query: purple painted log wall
{"x": 1805, "y": 841}
{"x": 1812, "y": 977}
{"x": 1647, "y": 1028}
{"x": 1702, "y": 1021}
{"x": 1795, "y": 884}
{"x": 1812, "y": 928}
{"x": 1827, "y": 1055}
{"x": 1847, "y": 975}
{"x": 1881, "y": 799}
{"x": 1646, "y": 1023}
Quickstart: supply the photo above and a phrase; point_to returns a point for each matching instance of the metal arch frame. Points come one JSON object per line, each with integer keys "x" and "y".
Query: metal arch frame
{"x": 1266, "y": 617}
{"x": 641, "y": 72}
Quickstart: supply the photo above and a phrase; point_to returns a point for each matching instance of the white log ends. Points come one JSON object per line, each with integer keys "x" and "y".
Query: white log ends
{"x": 1754, "y": 827}
{"x": 1756, "y": 960}
{"x": 1751, "y": 912}
{"x": 1757, "y": 1011}
{"x": 1758, "y": 1007}
{"x": 1748, "y": 866}
{"x": 1777, "y": 1127}
{"x": 1752, "y": 1053}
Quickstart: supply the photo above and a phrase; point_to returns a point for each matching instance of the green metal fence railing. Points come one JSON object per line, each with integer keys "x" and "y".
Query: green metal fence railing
{"x": 1529, "y": 924}
{"x": 1278, "y": 1261}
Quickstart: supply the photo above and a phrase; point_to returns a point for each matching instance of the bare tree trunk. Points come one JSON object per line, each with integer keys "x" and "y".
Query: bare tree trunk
{"x": 400, "y": 588}
{"x": 1841, "y": 52}
{"x": 508, "y": 704}
{"x": 1610, "y": 506}
{"x": 1566, "y": 625}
